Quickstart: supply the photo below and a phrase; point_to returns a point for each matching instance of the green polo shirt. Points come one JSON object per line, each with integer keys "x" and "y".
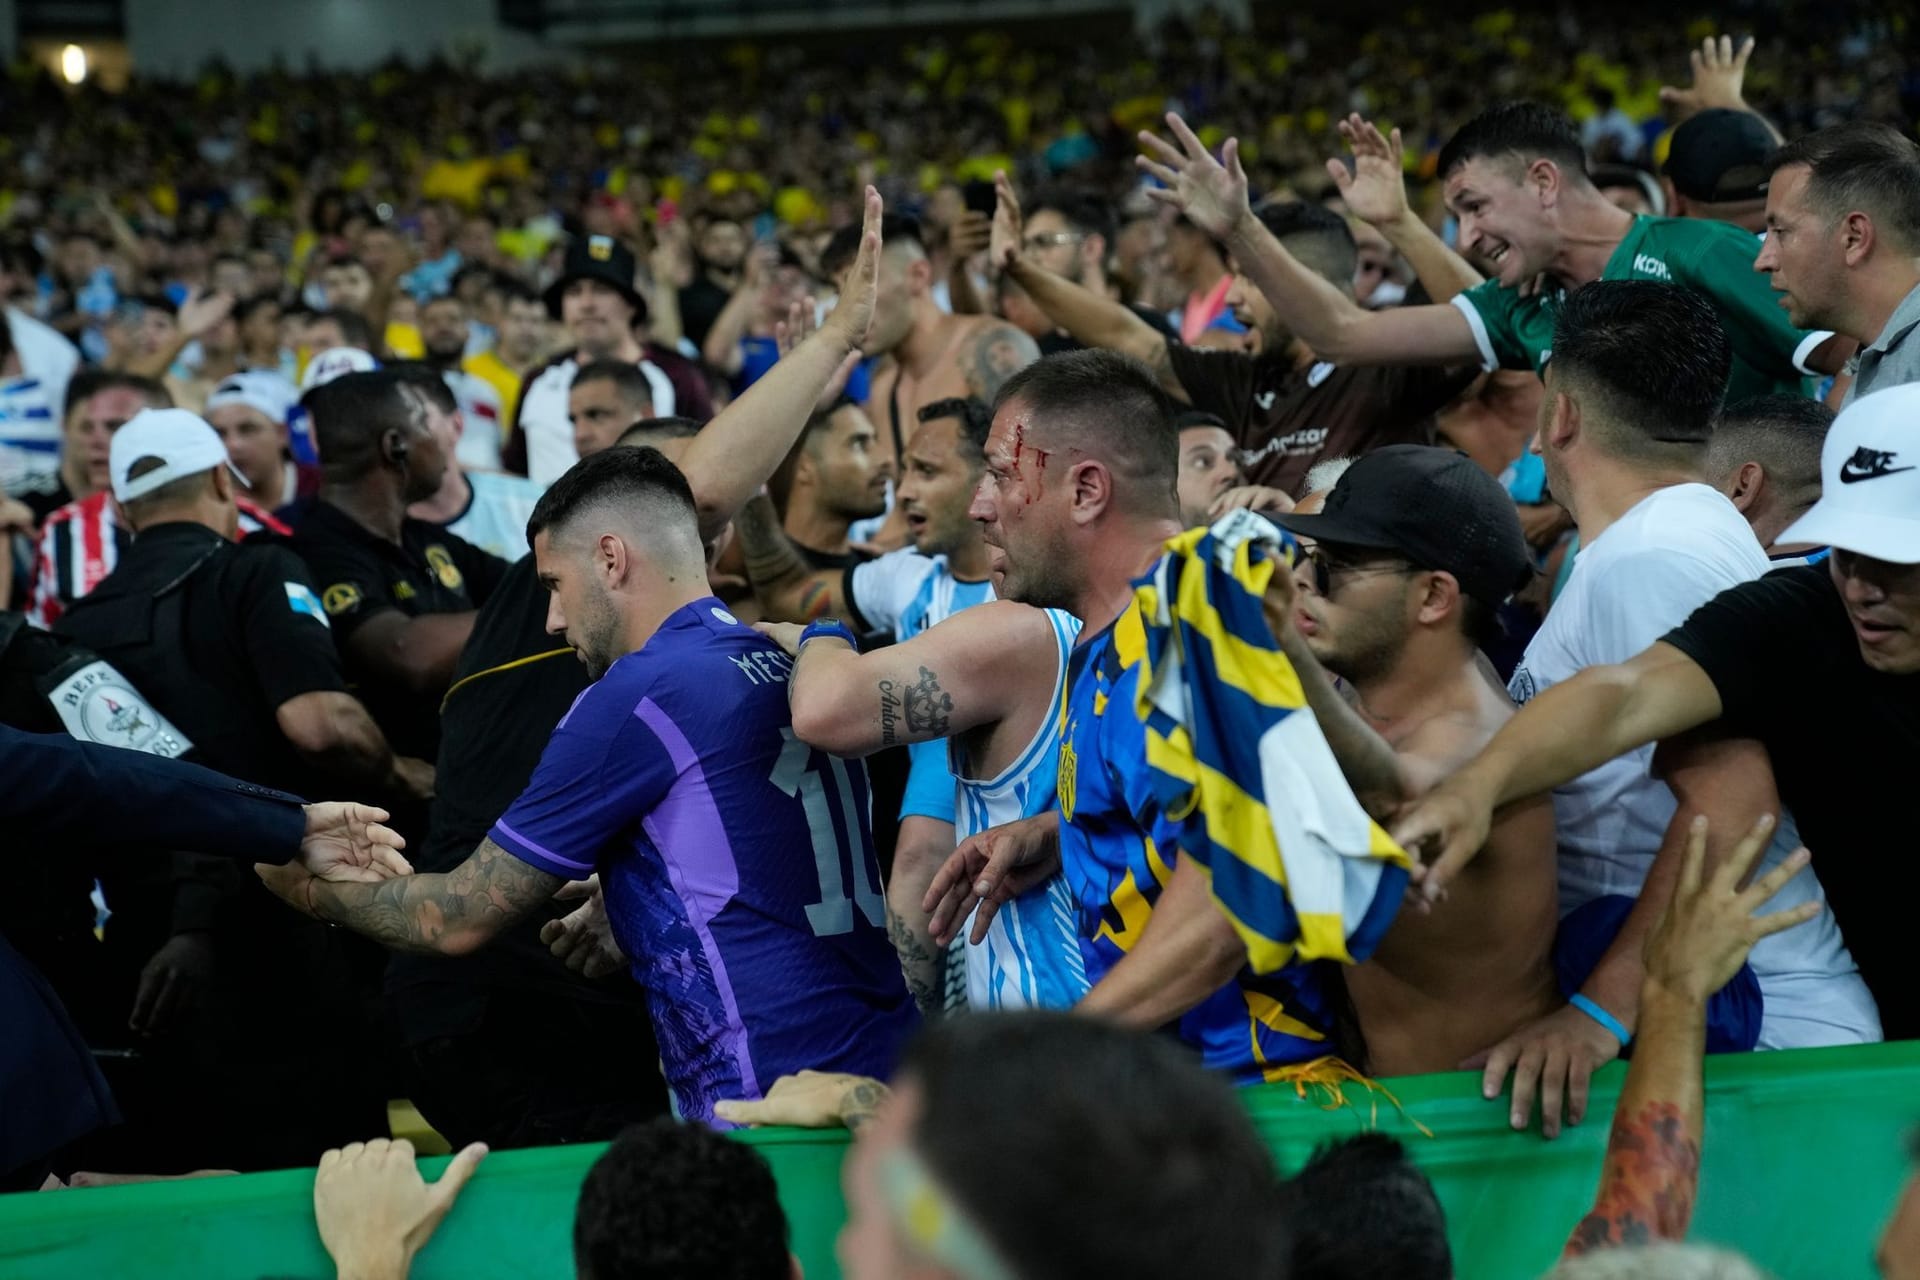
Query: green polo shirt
{"x": 1714, "y": 259}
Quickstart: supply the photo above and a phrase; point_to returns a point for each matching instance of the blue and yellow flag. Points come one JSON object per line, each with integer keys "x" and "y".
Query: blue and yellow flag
{"x": 1239, "y": 763}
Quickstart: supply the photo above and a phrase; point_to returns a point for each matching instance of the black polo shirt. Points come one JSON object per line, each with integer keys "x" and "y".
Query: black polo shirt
{"x": 218, "y": 635}
{"x": 361, "y": 575}
{"x": 514, "y": 684}
{"x": 1843, "y": 739}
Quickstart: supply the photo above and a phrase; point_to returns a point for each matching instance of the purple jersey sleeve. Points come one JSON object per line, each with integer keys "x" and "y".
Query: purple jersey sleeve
{"x": 602, "y": 766}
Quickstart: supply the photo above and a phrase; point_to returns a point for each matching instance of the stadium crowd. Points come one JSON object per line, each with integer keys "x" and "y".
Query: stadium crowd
{"x": 804, "y": 569}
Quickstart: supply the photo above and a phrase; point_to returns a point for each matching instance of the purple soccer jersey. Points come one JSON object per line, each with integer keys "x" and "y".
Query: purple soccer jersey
{"x": 736, "y": 861}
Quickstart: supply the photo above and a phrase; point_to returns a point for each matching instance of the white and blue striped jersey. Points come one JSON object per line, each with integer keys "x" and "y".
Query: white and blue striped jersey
{"x": 1031, "y": 957}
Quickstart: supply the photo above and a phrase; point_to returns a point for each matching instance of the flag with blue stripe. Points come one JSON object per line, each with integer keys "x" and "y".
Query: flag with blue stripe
{"x": 1242, "y": 771}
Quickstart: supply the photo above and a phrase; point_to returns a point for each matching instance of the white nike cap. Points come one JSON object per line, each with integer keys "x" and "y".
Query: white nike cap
{"x": 183, "y": 442}
{"x": 336, "y": 362}
{"x": 1869, "y": 480}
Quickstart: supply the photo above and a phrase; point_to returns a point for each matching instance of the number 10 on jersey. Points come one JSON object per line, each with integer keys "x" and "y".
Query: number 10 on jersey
{"x": 833, "y": 914}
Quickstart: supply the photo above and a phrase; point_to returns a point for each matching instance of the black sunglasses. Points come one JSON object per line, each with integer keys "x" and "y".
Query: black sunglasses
{"x": 1325, "y": 566}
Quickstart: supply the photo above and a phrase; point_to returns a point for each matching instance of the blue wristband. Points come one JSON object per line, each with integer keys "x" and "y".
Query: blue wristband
{"x": 1604, "y": 1018}
{"x": 829, "y": 627}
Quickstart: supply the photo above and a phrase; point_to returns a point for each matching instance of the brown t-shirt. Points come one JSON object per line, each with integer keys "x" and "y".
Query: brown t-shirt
{"x": 1287, "y": 420}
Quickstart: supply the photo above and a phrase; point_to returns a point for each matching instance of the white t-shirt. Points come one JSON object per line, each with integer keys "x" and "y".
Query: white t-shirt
{"x": 480, "y": 412}
{"x": 31, "y": 405}
{"x": 496, "y": 519}
{"x": 544, "y": 421}
{"x": 1673, "y": 551}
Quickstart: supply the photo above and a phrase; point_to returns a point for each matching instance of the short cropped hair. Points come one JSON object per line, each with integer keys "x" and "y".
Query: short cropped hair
{"x": 351, "y": 413}
{"x": 1651, "y": 357}
{"x": 648, "y": 430}
{"x": 428, "y": 381}
{"x": 1316, "y": 235}
{"x": 895, "y": 228}
{"x": 1086, "y": 211}
{"x": 88, "y": 383}
{"x": 1360, "y": 1209}
{"x": 626, "y": 477}
{"x": 1526, "y": 131}
{"x": 1782, "y": 432}
{"x": 1112, "y": 408}
{"x": 1872, "y": 168}
{"x": 670, "y": 1200}
{"x": 623, "y": 374}
{"x": 976, "y": 421}
{"x": 1016, "y": 1107}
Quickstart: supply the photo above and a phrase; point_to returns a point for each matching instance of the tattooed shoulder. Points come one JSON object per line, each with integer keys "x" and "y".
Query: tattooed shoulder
{"x": 995, "y": 354}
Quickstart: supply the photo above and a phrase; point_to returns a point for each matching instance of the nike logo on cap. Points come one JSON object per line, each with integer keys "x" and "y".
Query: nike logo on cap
{"x": 1869, "y": 464}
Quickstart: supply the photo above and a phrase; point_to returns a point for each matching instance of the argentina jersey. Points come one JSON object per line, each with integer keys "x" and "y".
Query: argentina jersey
{"x": 1031, "y": 957}
{"x": 1116, "y": 852}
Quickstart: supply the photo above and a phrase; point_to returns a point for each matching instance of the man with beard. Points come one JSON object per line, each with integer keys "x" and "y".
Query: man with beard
{"x": 839, "y": 475}
{"x": 1287, "y": 406}
{"x": 444, "y": 332}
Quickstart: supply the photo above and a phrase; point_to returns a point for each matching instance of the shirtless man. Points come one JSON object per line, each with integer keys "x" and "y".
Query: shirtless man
{"x": 930, "y": 355}
{"x": 1415, "y": 550}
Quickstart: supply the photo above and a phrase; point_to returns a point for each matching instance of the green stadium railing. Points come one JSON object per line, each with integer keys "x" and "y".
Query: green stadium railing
{"x": 1804, "y": 1156}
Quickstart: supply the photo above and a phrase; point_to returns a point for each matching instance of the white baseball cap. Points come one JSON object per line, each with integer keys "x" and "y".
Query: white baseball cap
{"x": 1869, "y": 480}
{"x": 258, "y": 389}
{"x": 336, "y": 362}
{"x": 183, "y": 442}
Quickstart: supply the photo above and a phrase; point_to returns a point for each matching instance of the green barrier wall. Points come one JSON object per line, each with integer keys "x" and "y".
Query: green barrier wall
{"x": 1804, "y": 1155}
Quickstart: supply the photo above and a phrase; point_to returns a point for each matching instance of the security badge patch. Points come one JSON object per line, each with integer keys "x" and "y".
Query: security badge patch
{"x": 340, "y": 597}
{"x": 97, "y": 704}
{"x": 444, "y": 568}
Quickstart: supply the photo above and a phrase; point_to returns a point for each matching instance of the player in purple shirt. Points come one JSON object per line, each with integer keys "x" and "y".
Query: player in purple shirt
{"x": 736, "y": 861}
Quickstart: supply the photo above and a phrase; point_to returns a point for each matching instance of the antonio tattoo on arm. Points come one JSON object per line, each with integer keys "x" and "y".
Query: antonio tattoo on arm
{"x": 997, "y": 353}
{"x": 1651, "y": 1180}
{"x": 452, "y": 913}
{"x": 924, "y": 705}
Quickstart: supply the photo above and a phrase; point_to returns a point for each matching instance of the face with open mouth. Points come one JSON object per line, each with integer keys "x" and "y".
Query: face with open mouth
{"x": 1503, "y": 222}
{"x": 1883, "y": 606}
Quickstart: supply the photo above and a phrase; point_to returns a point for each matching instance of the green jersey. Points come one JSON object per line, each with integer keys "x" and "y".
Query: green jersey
{"x": 1714, "y": 259}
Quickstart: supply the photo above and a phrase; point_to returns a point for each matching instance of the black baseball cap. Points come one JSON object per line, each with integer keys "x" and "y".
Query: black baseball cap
{"x": 601, "y": 258}
{"x": 1433, "y": 506}
{"x": 1719, "y": 156}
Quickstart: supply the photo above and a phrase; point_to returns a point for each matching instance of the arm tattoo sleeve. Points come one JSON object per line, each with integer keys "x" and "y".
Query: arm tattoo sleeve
{"x": 921, "y": 963}
{"x": 998, "y": 352}
{"x": 451, "y": 912}
{"x": 1647, "y": 1192}
{"x": 770, "y": 556}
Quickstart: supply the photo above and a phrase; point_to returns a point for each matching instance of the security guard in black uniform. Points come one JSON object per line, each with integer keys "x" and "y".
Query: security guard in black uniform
{"x": 231, "y": 644}
{"x": 401, "y": 593}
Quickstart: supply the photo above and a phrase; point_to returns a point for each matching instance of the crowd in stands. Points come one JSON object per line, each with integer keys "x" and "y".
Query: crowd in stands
{"x": 805, "y": 567}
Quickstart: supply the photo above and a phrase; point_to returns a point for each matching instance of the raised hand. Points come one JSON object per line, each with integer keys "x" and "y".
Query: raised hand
{"x": 1375, "y": 188}
{"x": 1212, "y": 193}
{"x": 202, "y": 312}
{"x": 989, "y": 870}
{"x": 346, "y": 842}
{"x": 971, "y": 232}
{"x": 1710, "y": 926}
{"x": 1004, "y": 243}
{"x": 1254, "y": 497}
{"x": 860, "y": 291}
{"x": 1719, "y": 72}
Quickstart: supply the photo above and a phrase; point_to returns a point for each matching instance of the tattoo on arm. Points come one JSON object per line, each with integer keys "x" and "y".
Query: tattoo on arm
{"x": 999, "y": 352}
{"x": 921, "y": 963}
{"x": 928, "y": 705}
{"x": 860, "y": 1104}
{"x": 428, "y": 913}
{"x": 770, "y": 556}
{"x": 889, "y": 714}
{"x": 1647, "y": 1192}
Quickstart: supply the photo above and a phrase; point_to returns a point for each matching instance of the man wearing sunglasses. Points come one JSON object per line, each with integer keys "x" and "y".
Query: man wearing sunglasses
{"x": 1413, "y": 554}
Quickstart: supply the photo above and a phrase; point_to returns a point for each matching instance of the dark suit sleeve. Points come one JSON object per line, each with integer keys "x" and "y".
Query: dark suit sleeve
{"x": 81, "y": 792}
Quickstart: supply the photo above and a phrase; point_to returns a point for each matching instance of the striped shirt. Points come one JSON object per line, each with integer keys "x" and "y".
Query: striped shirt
{"x": 82, "y": 542}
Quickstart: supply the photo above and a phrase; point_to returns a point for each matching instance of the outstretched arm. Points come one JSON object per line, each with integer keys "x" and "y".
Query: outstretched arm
{"x": 946, "y": 680}
{"x": 1651, "y": 1174}
{"x": 788, "y": 588}
{"x": 454, "y": 913}
{"x": 1213, "y": 194}
{"x": 1091, "y": 318}
{"x": 735, "y": 453}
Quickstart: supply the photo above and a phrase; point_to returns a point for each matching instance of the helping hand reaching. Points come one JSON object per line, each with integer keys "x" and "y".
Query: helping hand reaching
{"x": 1212, "y": 193}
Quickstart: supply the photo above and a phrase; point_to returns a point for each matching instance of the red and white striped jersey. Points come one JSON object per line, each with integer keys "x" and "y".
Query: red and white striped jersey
{"x": 81, "y": 543}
